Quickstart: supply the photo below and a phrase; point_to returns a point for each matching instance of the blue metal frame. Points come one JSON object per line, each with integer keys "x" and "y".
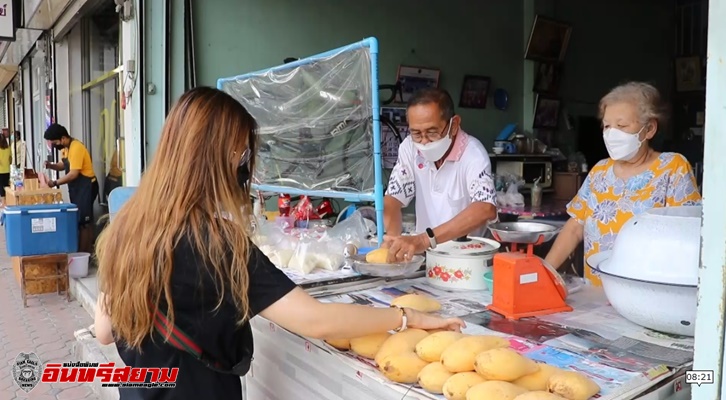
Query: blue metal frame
{"x": 377, "y": 196}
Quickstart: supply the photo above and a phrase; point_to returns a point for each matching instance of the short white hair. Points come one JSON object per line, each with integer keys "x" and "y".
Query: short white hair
{"x": 643, "y": 95}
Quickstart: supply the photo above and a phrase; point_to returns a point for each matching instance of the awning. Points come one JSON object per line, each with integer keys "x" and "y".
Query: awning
{"x": 12, "y": 53}
{"x": 42, "y": 14}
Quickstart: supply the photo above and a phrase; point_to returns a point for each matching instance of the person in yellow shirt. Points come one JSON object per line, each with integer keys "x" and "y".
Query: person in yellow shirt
{"x": 20, "y": 151}
{"x": 80, "y": 178}
{"x": 6, "y": 158}
{"x": 634, "y": 179}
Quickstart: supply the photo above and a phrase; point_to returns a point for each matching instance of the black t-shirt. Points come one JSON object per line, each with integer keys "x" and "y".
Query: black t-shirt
{"x": 195, "y": 297}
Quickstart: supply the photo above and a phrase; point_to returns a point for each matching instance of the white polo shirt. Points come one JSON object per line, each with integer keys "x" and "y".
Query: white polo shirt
{"x": 441, "y": 194}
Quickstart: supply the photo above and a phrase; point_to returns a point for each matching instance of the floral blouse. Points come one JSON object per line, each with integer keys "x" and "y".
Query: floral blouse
{"x": 605, "y": 202}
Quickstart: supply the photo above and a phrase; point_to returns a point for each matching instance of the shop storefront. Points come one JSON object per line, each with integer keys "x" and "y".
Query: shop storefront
{"x": 67, "y": 67}
{"x": 92, "y": 48}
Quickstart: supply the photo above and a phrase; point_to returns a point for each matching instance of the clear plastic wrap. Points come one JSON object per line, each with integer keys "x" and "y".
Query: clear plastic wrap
{"x": 315, "y": 121}
{"x": 351, "y": 230}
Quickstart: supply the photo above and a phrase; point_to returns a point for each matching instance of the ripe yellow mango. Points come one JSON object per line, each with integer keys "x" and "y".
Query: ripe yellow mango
{"x": 368, "y": 346}
{"x": 460, "y": 356}
{"x": 433, "y": 376}
{"x": 402, "y": 368}
{"x": 538, "y": 380}
{"x": 417, "y": 302}
{"x": 399, "y": 343}
{"x": 503, "y": 365}
{"x": 572, "y": 385}
{"x": 377, "y": 256}
{"x": 455, "y": 388}
{"x": 494, "y": 390}
{"x": 430, "y": 348}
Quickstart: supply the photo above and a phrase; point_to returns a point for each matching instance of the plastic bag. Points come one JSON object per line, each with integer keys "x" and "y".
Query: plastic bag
{"x": 310, "y": 254}
{"x": 510, "y": 198}
{"x": 351, "y": 230}
{"x": 274, "y": 243}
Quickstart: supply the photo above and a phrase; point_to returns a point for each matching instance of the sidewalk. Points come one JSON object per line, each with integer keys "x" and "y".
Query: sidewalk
{"x": 46, "y": 327}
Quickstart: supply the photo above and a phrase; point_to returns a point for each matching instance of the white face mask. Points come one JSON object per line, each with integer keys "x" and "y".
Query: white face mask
{"x": 433, "y": 151}
{"x": 622, "y": 145}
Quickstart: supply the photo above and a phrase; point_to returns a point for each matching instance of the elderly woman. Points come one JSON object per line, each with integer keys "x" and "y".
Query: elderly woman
{"x": 633, "y": 180}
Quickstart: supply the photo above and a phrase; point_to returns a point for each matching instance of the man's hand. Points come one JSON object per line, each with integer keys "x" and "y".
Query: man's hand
{"x": 403, "y": 248}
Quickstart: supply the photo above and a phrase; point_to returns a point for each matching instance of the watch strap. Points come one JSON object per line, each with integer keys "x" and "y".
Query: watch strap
{"x": 432, "y": 238}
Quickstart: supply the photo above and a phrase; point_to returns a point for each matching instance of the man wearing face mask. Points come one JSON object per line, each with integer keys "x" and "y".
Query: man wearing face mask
{"x": 80, "y": 178}
{"x": 449, "y": 173}
{"x": 633, "y": 180}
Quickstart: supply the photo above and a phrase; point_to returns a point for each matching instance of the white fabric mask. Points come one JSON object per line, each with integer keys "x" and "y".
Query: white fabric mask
{"x": 433, "y": 151}
{"x": 622, "y": 145}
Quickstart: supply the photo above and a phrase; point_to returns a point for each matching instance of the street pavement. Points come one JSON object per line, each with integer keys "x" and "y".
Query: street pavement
{"x": 46, "y": 327}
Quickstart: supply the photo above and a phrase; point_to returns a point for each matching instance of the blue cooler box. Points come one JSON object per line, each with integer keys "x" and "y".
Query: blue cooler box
{"x": 41, "y": 229}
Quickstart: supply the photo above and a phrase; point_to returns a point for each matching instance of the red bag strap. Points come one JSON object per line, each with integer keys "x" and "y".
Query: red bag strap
{"x": 182, "y": 341}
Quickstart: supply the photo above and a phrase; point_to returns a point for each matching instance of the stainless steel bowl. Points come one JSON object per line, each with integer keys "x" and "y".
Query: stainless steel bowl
{"x": 386, "y": 270}
{"x": 523, "y": 232}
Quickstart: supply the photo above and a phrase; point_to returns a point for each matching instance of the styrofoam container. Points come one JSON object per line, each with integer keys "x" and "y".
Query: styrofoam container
{"x": 78, "y": 265}
{"x": 41, "y": 229}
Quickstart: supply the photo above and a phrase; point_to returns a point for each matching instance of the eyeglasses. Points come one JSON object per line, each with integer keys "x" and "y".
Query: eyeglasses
{"x": 430, "y": 136}
{"x": 246, "y": 155}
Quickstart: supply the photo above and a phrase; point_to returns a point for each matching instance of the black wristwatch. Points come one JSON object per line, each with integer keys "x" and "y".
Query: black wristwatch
{"x": 432, "y": 238}
{"x": 53, "y": 184}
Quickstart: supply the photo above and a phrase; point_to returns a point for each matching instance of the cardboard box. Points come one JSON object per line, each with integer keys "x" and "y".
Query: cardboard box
{"x": 28, "y": 197}
{"x": 33, "y": 270}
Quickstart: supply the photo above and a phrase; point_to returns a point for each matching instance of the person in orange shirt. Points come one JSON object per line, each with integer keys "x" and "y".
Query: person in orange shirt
{"x": 634, "y": 179}
{"x": 80, "y": 178}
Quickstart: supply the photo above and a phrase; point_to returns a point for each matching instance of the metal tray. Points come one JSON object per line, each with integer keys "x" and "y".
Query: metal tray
{"x": 523, "y": 232}
{"x": 386, "y": 270}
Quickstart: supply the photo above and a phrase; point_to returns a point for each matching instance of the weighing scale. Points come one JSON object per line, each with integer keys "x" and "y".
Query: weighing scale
{"x": 524, "y": 285}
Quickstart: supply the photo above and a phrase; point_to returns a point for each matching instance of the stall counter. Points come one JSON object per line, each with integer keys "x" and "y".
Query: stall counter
{"x": 287, "y": 366}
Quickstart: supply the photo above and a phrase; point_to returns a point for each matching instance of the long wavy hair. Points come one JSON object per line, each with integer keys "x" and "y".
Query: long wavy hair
{"x": 189, "y": 190}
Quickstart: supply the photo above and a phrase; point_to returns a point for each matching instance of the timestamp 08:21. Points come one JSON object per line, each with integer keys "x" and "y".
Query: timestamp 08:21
{"x": 699, "y": 377}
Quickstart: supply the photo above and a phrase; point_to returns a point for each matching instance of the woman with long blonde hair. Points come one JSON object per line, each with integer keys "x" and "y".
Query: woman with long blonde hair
{"x": 179, "y": 277}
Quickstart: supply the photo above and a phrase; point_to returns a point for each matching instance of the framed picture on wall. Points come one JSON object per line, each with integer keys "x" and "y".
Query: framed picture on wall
{"x": 547, "y": 79}
{"x": 546, "y": 112}
{"x": 548, "y": 40}
{"x": 688, "y": 74}
{"x": 413, "y": 79}
{"x": 475, "y": 91}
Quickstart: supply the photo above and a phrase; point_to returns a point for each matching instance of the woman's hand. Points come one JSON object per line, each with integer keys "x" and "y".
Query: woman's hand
{"x": 417, "y": 319}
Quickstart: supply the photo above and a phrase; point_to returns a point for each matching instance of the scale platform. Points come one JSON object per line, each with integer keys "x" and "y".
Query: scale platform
{"x": 525, "y": 285}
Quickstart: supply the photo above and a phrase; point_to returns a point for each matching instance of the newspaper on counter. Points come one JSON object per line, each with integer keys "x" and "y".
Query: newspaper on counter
{"x": 614, "y": 383}
{"x": 453, "y": 304}
{"x": 623, "y": 358}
